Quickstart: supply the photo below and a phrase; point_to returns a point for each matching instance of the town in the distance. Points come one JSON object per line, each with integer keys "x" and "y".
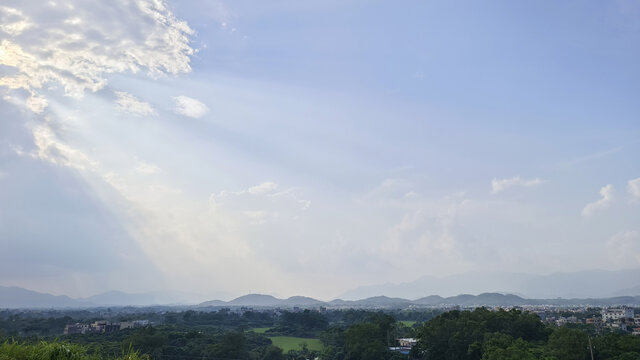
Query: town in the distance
{"x": 487, "y": 326}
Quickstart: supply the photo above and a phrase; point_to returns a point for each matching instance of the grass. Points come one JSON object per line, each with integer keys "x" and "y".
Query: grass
{"x": 261, "y": 330}
{"x": 287, "y": 343}
{"x": 56, "y": 351}
{"x": 408, "y": 323}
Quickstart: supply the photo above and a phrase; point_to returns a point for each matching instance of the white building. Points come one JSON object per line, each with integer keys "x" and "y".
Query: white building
{"x": 616, "y": 314}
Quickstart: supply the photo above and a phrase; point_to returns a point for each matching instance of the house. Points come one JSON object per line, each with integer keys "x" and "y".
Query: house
{"x": 405, "y": 345}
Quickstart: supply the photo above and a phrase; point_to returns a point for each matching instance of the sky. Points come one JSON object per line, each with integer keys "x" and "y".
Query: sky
{"x": 220, "y": 148}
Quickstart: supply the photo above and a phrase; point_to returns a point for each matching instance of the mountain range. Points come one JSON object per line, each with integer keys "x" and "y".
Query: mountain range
{"x": 580, "y": 284}
{"x": 484, "y": 299}
{"x": 16, "y": 297}
{"x": 595, "y": 287}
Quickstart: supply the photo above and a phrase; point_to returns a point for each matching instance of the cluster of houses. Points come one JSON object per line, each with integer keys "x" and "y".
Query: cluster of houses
{"x": 405, "y": 345}
{"x": 621, "y": 319}
{"x": 103, "y": 327}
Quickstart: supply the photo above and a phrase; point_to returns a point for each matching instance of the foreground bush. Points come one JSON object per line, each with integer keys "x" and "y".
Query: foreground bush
{"x": 55, "y": 351}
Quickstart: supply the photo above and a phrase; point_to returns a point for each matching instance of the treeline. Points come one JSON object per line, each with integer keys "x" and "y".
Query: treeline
{"x": 480, "y": 334}
{"x": 504, "y": 335}
{"x": 308, "y": 323}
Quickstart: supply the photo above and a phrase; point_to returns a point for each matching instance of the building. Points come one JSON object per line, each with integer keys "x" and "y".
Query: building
{"x": 617, "y": 314}
{"x": 405, "y": 345}
{"x": 103, "y": 326}
{"x": 76, "y": 328}
{"x": 407, "y": 342}
{"x": 566, "y": 320}
{"x": 592, "y": 320}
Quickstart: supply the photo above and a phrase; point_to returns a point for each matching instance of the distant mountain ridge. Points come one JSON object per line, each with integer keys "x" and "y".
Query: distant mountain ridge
{"x": 485, "y": 299}
{"x": 16, "y": 297}
{"x": 580, "y": 284}
{"x": 12, "y": 297}
{"x": 593, "y": 287}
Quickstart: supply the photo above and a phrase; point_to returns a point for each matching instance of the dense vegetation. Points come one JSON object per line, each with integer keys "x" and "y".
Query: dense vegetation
{"x": 480, "y": 334}
{"x": 55, "y": 351}
{"x": 504, "y": 335}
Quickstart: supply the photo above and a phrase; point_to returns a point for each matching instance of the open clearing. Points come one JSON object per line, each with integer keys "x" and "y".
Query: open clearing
{"x": 260, "y": 330}
{"x": 287, "y": 343}
{"x": 408, "y": 323}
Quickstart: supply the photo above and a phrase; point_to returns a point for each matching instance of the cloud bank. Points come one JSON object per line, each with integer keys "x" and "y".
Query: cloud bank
{"x": 190, "y": 107}
{"x": 75, "y": 44}
{"x": 131, "y": 104}
{"x": 500, "y": 185}
{"x": 607, "y": 193}
{"x": 633, "y": 187}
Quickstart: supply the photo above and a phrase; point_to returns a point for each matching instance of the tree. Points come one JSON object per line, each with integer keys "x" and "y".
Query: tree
{"x": 569, "y": 344}
{"x": 505, "y": 348}
{"x": 364, "y": 342}
{"x": 272, "y": 353}
{"x": 230, "y": 346}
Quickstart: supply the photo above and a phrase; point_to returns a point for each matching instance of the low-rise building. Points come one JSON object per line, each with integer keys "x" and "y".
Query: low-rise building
{"x": 103, "y": 326}
{"x": 405, "y": 345}
{"x": 617, "y": 313}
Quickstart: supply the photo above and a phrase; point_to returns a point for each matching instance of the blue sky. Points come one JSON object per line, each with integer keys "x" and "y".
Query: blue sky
{"x": 221, "y": 148}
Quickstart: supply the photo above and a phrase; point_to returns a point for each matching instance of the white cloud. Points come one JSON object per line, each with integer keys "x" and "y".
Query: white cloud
{"x": 78, "y": 45}
{"x": 50, "y": 148}
{"x": 190, "y": 107}
{"x": 133, "y": 105}
{"x": 147, "y": 168}
{"x": 261, "y": 201}
{"x": 633, "y": 186}
{"x": 499, "y": 185}
{"x": 12, "y": 21}
{"x": 607, "y": 197}
{"x": 624, "y": 249}
{"x": 264, "y": 188}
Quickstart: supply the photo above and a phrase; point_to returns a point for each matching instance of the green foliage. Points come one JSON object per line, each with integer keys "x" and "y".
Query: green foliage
{"x": 499, "y": 346}
{"x": 461, "y": 334}
{"x": 569, "y": 344}
{"x": 55, "y": 351}
{"x": 612, "y": 346}
{"x": 329, "y": 335}
{"x": 287, "y": 343}
{"x": 370, "y": 340}
{"x": 306, "y": 323}
{"x": 232, "y": 346}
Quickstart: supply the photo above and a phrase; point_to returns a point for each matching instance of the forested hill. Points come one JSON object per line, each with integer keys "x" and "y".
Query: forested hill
{"x": 15, "y": 297}
{"x": 486, "y": 299}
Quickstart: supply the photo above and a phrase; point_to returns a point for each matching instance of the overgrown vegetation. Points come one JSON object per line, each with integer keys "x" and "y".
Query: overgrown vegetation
{"x": 480, "y": 334}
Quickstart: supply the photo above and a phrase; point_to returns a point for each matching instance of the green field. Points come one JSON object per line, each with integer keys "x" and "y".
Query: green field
{"x": 260, "y": 330}
{"x": 287, "y": 343}
{"x": 408, "y": 323}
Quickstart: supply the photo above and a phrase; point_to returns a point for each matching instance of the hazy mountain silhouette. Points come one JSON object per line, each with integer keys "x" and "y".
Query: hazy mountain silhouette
{"x": 119, "y": 298}
{"x": 16, "y": 297}
{"x": 581, "y": 284}
{"x": 586, "y": 282}
{"x": 485, "y": 299}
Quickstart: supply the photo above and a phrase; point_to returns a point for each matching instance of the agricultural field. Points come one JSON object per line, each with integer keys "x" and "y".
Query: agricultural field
{"x": 260, "y": 330}
{"x": 408, "y": 323}
{"x": 287, "y": 343}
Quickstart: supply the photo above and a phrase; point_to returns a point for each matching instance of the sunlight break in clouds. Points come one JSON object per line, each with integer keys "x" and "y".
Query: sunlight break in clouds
{"x": 190, "y": 107}
{"x": 633, "y": 186}
{"x": 76, "y": 45}
{"x": 133, "y": 105}
{"x": 72, "y": 51}
{"x": 499, "y": 185}
{"x": 607, "y": 197}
